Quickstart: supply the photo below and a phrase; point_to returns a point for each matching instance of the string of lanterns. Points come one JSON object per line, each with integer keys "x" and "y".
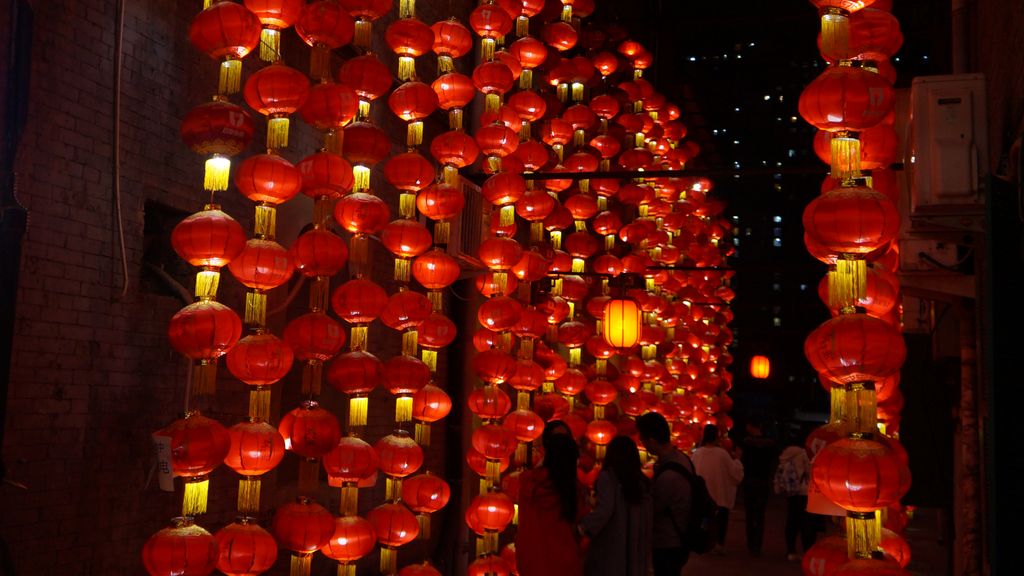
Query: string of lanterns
{"x": 610, "y": 302}
{"x": 860, "y": 469}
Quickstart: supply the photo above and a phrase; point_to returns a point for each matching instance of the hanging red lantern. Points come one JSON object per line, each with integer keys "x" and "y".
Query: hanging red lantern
{"x": 361, "y": 213}
{"x": 408, "y": 38}
{"x": 489, "y": 403}
{"x": 256, "y": 448}
{"x": 309, "y": 430}
{"x": 494, "y": 366}
{"x": 454, "y": 148}
{"x": 435, "y": 270}
{"x": 275, "y": 15}
{"x": 268, "y": 178}
{"x": 500, "y": 253}
{"x": 181, "y": 549}
{"x": 262, "y": 265}
{"x": 451, "y": 40}
{"x": 860, "y": 475}
{"x": 351, "y": 461}
{"x": 276, "y": 92}
{"x": 405, "y": 309}
{"x": 405, "y": 375}
{"x": 367, "y": 75}
{"x": 260, "y": 359}
{"x": 302, "y": 527}
{"x": 405, "y": 238}
{"x": 490, "y": 512}
{"x": 226, "y": 30}
{"x": 245, "y": 548}
{"x": 197, "y": 445}
{"x": 319, "y": 253}
{"x": 394, "y": 526}
{"x": 220, "y": 130}
{"x": 560, "y": 35}
{"x": 359, "y": 301}
{"x": 314, "y": 336}
{"x": 846, "y": 97}
{"x": 352, "y": 539}
{"x": 409, "y": 172}
{"x": 324, "y": 25}
{"x": 204, "y": 330}
{"x": 325, "y": 174}
{"x": 208, "y": 238}
{"x": 329, "y": 107}
{"x": 431, "y": 404}
{"x": 399, "y": 454}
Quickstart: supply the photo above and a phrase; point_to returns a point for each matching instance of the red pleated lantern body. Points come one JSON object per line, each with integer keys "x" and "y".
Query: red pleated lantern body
{"x": 314, "y": 336}
{"x": 319, "y": 253}
{"x": 405, "y": 375}
{"x": 359, "y": 301}
{"x": 367, "y": 75}
{"x": 260, "y": 359}
{"x": 425, "y": 493}
{"x": 256, "y": 448}
{"x": 490, "y": 512}
{"x": 353, "y": 538}
{"x": 362, "y": 213}
{"x": 846, "y": 98}
{"x": 276, "y": 92}
{"x": 330, "y": 106}
{"x": 454, "y": 148}
{"x": 303, "y": 527}
{"x": 435, "y": 270}
{"x": 399, "y": 455}
{"x": 351, "y": 460}
{"x": 409, "y": 172}
{"x": 494, "y": 441}
{"x": 268, "y": 178}
{"x": 431, "y": 404}
{"x": 855, "y": 348}
{"x": 245, "y": 549}
{"x": 208, "y": 238}
{"x": 182, "y": 549}
{"x": 826, "y": 556}
{"x": 860, "y": 475}
{"x": 228, "y": 31}
{"x": 324, "y": 25}
{"x": 198, "y": 445}
{"x": 489, "y": 403}
{"x": 325, "y": 174}
{"x": 406, "y": 238}
{"x": 525, "y": 424}
{"x": 217, "y": 127}
{"x": 309, "y": 430}
{"x": 262, "y": 265}
{"x": 205, "y": 329}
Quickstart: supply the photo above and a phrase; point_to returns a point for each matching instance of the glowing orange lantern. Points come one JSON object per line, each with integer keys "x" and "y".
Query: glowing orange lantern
{"x": 760, "y": 367}
{"x": 622, "y": 322}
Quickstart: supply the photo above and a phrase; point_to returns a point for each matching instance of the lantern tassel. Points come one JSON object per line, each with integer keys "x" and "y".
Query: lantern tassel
{"x": 522, "y": 400}
{"x": 359, "y": 336}
{"x": 424, "y": 522}
{"x": 403, "y": 409}
{"x": 487, "y": 49}
{"x": 442, "y": 232}
{"x": 493, "y": 469}
{"x": 507, "y": 215}
{"x": 520, "y": 456}
{"x": 256, "y": 309}
{"x": 492, "y": 102}
{"x": 349, "y": 499}
{"x": 300, "y": 564}
{"x": 402, "y": 268}
{"x": 216, "y": 174}
{"x": 319, "y": 62}
{"x": 845, "y": 152}
{"x": 358, "y": 256}
{"x": 598, "y": 412}
{"x": 536, "y": 232}
{"x": 277, "y": 132}
{"x": 575, "y": 354}
{"x": 388, "y": 560}
{"x": 835, "y": 31}
{"x": 392, "y": 489}
{"x": 445, "y": 64}
{"x": 515, "y": 514}
{"x": 312, "y": 377}
{"x": 357, "y": 408}
{"x": 196, "y": 494}
{"x": 249, "y": 495}
{"x": 259, "y": 403}
{"x": 455, "y": 116}
{"x": 429, "y": 358}
{"x": 230, "y": 77}
{"x": 577, "y": 92}
{"x": 526, "y": 348}
{"x": 360, "y": 178}
{"x": 863, "y": 534}
{"x": 270, "y": 45}
{"x": 407, "y": 8}
{"x": 207, "y": 282}
{"x": 436, "y": 298}
{"x": 851, "y": 280}
{"x": 406, "y": 68}
{"x": 522, "y": 26}
{"x": 556, "y": 240}
{"x": 407, "y": 205}
{"x": 319, "y": 294}
{"x": 265, "y": 221}
{"x": 363, "y": 34}
{"x": 410, "y": 342}
{"x": 567, "y": 13}
{"x": 599, "y": 452}
{"x": 526, "y": 79}
{"x": 309, "y": 477}
{"x": 490, "y": 541}
{"x": 562, "y": 91}
{"x": 204, "y": 378}
{"x": 422, "y": 433}
{"x": 346, "y": 569}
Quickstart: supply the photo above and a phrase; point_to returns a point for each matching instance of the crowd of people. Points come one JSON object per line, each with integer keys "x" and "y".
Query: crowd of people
{"x": 636, "y": 524}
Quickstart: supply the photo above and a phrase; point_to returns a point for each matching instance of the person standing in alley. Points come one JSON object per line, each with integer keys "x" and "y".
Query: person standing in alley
{"x": 758, "y": 457}
{"x": 672, "y": 496}
{"x": 791, "y": 480}
{"x": 722, "y": 472}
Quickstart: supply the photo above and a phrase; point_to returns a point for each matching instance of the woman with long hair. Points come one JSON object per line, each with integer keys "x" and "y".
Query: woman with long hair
{"x": 619, "y": 526}
{"x": 551, "y": 502}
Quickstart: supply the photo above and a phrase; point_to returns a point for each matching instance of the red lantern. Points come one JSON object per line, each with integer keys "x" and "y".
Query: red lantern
{"x": 394, "y": 526}
{"x": 405, "y": 309}
{"x": 198, "y": 445}
{"x": 276, "y": 92}
{"x": 405, "y": 375}
{"x": 205, "y": 329}
{"x": 489, "y": 566}
{"x": 325, "y": 174}
{"x": 182, "y": 549}
{"x": 303, "y": 526}
{"x": 219, "y": 130}
{"x": 494, "y": 441}
{"x": 860, "y": 475}
{"x": 367, "y": 75}
{"x": 355, "y": 372}
{"x": 453, "y": 90}
{"x": 826, "y": 556}
{"x": 409, "y": 172}
{"x": 324, "y": 25}
{"x": 855, "y": 348}
{"x": 489, "y": 403}
{"x": 208, "y": 238}
{"x": 500, "y": 253}
{"x": 494, "y": 366}
{"x": 425, "y": 493}
{"x": 268, "y": 178}
{"x": 314, "y": 336}
{"x": 399, "y": 455}
{"x": 260, "y": 359}
{"x": 493, "y": 78}
{"x": 330, "y": 106}
{"x": 491, "y": 512}
{"x": 846, "y": 98}
{"x": 362, "y": 213}
{"x": 454, "y": 148}
{"x": 435, "y": 270}
{"x": 413, "y": 101}
{"x": 262, "y": 265}
{"x": 490, "y": 21}
{"x": 451, "y": 40}
{"x": 499, "y": 313}
{"x": 560, "y": 35}
{"x": 525, "y": 424}
{"x": 245, "y": 549}
{"x": 359, "y": 301}
{"x": 319, "y": 253}
{"x": 351, "y": 461}
{"x": 226, "y": 30}
{"x": 256, "y": 448}
{"x": 353, "y": 538}
{"x": 309, "y": 430}
{"x": 430, "y": 404}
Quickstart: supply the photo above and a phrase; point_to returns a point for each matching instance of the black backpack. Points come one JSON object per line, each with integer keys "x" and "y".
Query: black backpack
{"x": 701, "y": 533}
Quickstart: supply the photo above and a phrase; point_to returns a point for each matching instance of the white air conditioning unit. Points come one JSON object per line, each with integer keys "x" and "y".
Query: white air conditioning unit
{"x": 948, "y": 151}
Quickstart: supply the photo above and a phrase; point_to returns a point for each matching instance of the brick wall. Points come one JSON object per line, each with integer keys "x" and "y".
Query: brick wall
{"x": 93, "y": 374}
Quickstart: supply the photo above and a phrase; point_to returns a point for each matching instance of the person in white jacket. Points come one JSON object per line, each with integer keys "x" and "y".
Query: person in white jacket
{"x": 791, "y": 480}
{"x": 722, "y": 472}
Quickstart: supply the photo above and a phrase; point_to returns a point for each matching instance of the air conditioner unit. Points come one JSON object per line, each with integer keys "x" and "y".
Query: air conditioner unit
{"x": 948, "y": 151}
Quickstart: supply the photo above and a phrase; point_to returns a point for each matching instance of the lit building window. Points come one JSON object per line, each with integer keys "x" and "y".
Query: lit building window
{"x": 777, "y": 219}
{"x": 777, "y": 242}
{"x": 777, "y": 322}
{"x": 777, "y": 287}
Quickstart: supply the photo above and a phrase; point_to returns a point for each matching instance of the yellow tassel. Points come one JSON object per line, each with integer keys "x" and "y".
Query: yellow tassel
{"x": 422, "y": 434}
{"x": 334, "y": 141}
{"x": 598, "y": 412}
{"x": 578, "y": 265}
{"x": 207, "y": 3}
{"x": 604, "y": 166}
{"x": 414, "y": 134}
{"x": 520, "y": 457}
{"x": 230, "y": 77}
{"x": 523, "y": 400}
{"x": 309, "y": 477}
{"x": 265, "y": 221}
{"x": 403, "y": 409}
{"x": 259, "y": 403}
{"x": 357, "y": 407}
{"x": 638, "y": 74}
{"x": 323, "y": 209}
{"x": 571, "y": 400}
{"x": 481, "y": 547}
{"x": 196, "y": 493}
{"x": 312, "y": 377}
{"x": 319, "y": 291}
{"x": 580, "y": 225}
{"x": 649, "y": 351}
{"x": 204, "y": 377}
{"x": 862, "y": 411}
{"x": 526, "y": 348}
{"x": 487, "y": 49}
{"x": 270, "y": 45}
{"x": 455, "y": 116}
{"x": 249, "y": 495}
{"x": 639, "y": 137}
{"x": 217, "y": 174}
{"x": 501, "y": 281}
{"x": 360, "y": 178}
{"x": 599, "y": 452}
{"x": 277, "y": 132}
{"x": 485, "y": 486}
{"x": 256, "y": 308}
{"x": 507, "y": 216}
{"x": 505, "y": 341}
{"x": 492, "y": 102}
{"x": 402, "y": 269}
{"x": 300, "y": 564}
{"x": 436, "y": 298}
{"x": 835, "y": 31}
{"x": 493, "y": 469}
{"x": 654, "y": 115}
{"x": 577, "y": 92}
{"x": 515, "y": 514}
{"x": 388, "y": 560}
{"x": 445, "y": 64}
{"x": 358, "y": 337}
{"x": 644, "y": 210}
{"x": 574, "y": 356}
{"x": 536, "y": 232}
{"x": 424, "y": 522}
{"x": 851, "y": 280}
{"x": 562, "y": 91}
{"x": 410, "y": 342}
{"x": 522, "y": 26}
{"x": 863, "y": 534}
{"x": 358, "y": 255}
{"x": 572, "y": 308}
{"x": 845, "y": 150}
{"x": 364, "y": 33}
{"x": 429, "y": 358}
{"x": 207, "y": 282}
{"x": 363, "y": 111}
{"x": 567, "y": 13}
{"x": 349, "y": 505}
{"x": 556, "y": 239}
{"x": 392, "y": 489}
{"x": 346, "y": 569}
{"x": 609, "y": 242}
{"x": 407, "y": 9}
{"x": 319, "y": 62}
{"x": 526, "y": 79}
{"x": 406, "y": 68}
{"x": 559, "y": 151}
{"x": 605, "y": 291}
{"x": 525, "y": 132}
{"x": 491, "y": 541}
{"x": 584, "y": 185}
{"x": 450, "y": 175}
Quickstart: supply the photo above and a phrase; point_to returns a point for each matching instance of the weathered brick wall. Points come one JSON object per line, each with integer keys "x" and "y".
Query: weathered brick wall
{"x": 93, "y": 374}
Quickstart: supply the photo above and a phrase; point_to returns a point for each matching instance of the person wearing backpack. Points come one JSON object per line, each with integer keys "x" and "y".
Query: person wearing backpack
{"x": 791, "y": 480}
{"x": 684, "y": 513}
{"x": 759, "y": 457}
{"x": 722, "y": 472}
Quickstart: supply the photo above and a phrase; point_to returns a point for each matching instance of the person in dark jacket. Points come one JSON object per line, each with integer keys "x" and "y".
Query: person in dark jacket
{"x": 671, "y": 494}
{"x": 759, "y": 456}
